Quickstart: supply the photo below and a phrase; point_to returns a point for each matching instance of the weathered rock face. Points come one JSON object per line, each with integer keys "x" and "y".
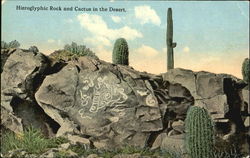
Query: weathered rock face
{"x": 5, "y": 53}
{"x": 114, "y": 105}
{"x": 21, "y": 74}
{"x": 218, "y": 93}
{"x": 111, "y": 105}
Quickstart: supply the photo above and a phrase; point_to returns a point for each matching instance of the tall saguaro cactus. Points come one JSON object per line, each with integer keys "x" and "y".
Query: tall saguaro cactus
{"x": 120, "y": 52}
{"x": 169, "y": 41}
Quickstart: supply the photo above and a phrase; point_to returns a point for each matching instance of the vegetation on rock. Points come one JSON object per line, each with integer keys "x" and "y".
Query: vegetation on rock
{"x": 120, "y": 52}
{"x": 80, "y": 50}
{"x": 31, "y": 140}
{"x": 71, "y": 51}
{"x": 199, "y": 133}
{"x": 11, "y": 44}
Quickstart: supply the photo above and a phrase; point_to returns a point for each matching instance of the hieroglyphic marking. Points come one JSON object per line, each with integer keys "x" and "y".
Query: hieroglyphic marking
{"x": 81, "y": 112}
{"x": 89, "y": 83}
{"x": 104, "y": 94}
{"x": 142, "y": 93}
{"x": 150, "y": 100}
{"x": 85, "y": 99}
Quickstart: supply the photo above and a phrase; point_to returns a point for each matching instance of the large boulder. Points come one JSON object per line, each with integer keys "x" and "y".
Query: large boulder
{"x": 22, "y": 72}
{"x": 218, "y": 93}
{"x": 112, "y": 104}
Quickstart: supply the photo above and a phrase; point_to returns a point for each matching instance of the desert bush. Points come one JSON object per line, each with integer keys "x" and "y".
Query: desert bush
{"x": 80, "y": 50}
{"x": 31, "y": 140}
{"x": 11, "y": 44}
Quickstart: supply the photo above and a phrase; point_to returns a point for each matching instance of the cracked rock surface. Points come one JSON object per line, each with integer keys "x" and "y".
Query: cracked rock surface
{"x": 112, "y": 105}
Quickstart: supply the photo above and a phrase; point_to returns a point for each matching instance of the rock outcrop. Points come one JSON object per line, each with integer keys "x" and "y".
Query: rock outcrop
{"x": 111, "y": 105}
{"x": 220, "y": 94}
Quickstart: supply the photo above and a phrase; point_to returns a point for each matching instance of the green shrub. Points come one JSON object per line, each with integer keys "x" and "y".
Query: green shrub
{"x": 245, "y": 70}
{"x": 199, "y": 133}
{"x": 72, "y": 51}
{"x": 120, "y": 52}
{"x": 79, "y": 50}
{"x": 11, "y": 44}
{"x": 32, "y": 141}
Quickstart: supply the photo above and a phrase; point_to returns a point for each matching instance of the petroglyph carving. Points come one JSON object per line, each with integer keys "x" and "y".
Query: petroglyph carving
{"x": 85, "y": 99}
{"x": 142, "y": 93}
{"x": 88, "y": 83}
{"x": 150, "y": 100}
{"x": 104, "y": 94}
{"x": 81, "y": 113}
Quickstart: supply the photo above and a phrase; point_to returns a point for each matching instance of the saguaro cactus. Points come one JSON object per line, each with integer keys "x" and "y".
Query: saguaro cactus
{"x": 169, "y": 41}
{"x": 246, "y": 70}
{"x": 199, "y": 133}
{"x": 120, "y": 52}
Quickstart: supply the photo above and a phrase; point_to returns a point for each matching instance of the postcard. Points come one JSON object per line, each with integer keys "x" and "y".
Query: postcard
{"x": 125, "y": 78}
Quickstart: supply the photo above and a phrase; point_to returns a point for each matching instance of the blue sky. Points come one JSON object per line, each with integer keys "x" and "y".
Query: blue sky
{"x": 210, "y": 36}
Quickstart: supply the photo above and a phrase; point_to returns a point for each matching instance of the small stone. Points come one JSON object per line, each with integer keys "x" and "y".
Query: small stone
{"x": 247, "y": 121}
{"x": 173, "y": 143}
{"x": 93, "y": 156}
{"x": 136, "y": 155}
{"x": 74, "y": 139}
{"x": 173, "y": 132}
{"x": 50, "y": 153}
{"x": 158, "y": 141}
{"x": 65, "y": 145}
{"x": 178, "y": 126}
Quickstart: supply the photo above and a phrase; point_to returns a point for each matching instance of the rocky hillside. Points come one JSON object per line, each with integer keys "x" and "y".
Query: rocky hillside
{"x": 111, "y": 105}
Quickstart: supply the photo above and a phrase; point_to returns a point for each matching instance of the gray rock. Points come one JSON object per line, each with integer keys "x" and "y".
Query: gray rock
{"x": 217, "y": 106}
{"x": 114, "y": 105}
{"x": 178, "y": 126}
{"x": 136, "y": 155}
{"x": 10, "y": 121}
{"x": 247, "y": 122}
{"x": 211, "y": 91}
{"x": 184, "y": 77}
{"x": 75, "y": 139}
{"x": 65, "y": 145}
{"x": 111, "y": 105}
{"x": 158, "y": 141}
{"x": 93, "y": 156}
{"x": 5, "y": 53}
{"x": 245, "y": 97}
{"x": 51, "y": 153}
{"x": 21, "y": 73}
{"x": 209, "y": 85}
{"x": 174, "y": 144}
{"x": 102, "y": 103}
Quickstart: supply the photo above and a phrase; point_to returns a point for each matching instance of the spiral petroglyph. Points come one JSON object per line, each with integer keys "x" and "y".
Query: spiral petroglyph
{"x": 104, "y": 94}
